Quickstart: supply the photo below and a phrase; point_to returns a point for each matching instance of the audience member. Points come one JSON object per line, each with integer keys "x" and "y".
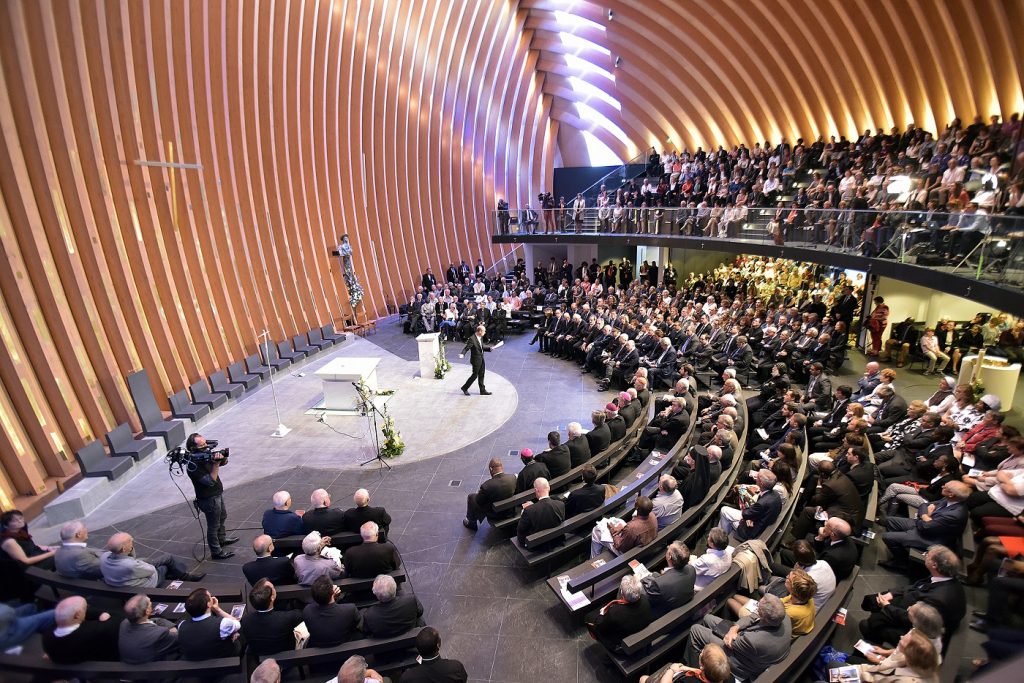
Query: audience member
{"x": 280, "y": 520}
{"x": 480, "y": 505}
{"x": 74, "y": 559}
{"x": 143, "y": 638}
{"x": 753, "y": 644}
{"x": 209, "y": 632}
{"x": 76, "y": 639}
{"x": 311, "y": 563}
{"x": 544, "y": 513}
{"x": 363, "y": 512}
{"x": 120, "y": 567}
{"x": 432, "y": 667}
{"x": 370, "y": 558}
{"x": 674, "y": 586}
{"x": 277, "y": 570}
{"x": 621, "y": 617}
{"x": 329, "y": 622}
{"x": 393, "y": 613}
{"x": 266, "y": 630}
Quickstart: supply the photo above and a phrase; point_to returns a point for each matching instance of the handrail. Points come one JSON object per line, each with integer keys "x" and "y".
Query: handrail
{"x": 621, "y": 168}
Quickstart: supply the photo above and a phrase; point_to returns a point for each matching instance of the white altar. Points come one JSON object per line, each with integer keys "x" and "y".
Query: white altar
{"x": 1001, "y": 381}
{"x": 340, "y": 396}
{"x": 429, "y": 347}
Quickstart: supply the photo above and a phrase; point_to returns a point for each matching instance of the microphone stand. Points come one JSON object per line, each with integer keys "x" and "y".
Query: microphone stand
{"x": 371, "y": 411}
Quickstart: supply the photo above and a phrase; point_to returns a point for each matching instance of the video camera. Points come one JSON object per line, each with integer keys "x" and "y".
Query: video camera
{"x": 190, "y": 455}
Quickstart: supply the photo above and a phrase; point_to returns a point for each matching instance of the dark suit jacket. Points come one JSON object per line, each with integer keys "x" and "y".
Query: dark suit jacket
{"x": 268, "y": 633}
{"x": 277, "y": 570}
{"x": 149, "y": 642}
{"x": 598, "y": 439}
{"x": 630, "y": 412}
{"x": 763, "y": 512}
{"x": 584, "y": 499}
{"x": 436, "y": 671}
{"x": 891, "y": 413}
{"x": 842, "y": 556}
{"x": 333, "y": 624}
{"x": 386, "y": 619}
{"x": 617, "y": 427}
{"x": 328, "y": 521}
{"x": 839, "y": 496}
{"x": 544, "y": 514}
{"x": 498, "y": 487}
{"x": 475, "y": 348}
{"x": 367, "y": 560}
{"x": 358, "y": 516}
{"x": 946, "y": 525}
{"x": 947, "y": 597}
{"x": 278, "y": 523}
{"x": 91, "y": 640}
{"x": 675, "y": 425}
{"x": 672, "y": 589}
{"x": 620, "y": 620}
{"x": 531, "y": 471}
{"x": 557, "y": 459}
{"x": 863, "y": 477}
{"x": 579, "y": 450}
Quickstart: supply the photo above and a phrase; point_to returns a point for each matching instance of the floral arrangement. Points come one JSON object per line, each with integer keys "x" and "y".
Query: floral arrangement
{"x": 441, "y": 364}
{"x": 355, "y": 290}
{"x": 978, "y": 389}
{"x": 393, "y": 445}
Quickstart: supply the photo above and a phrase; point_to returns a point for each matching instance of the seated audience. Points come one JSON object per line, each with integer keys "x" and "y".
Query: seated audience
{"x": 798, "y": 599}
{"x": 578, "y": 444}
{"x": 269, "y": 671}
{"x": 267, "y": 630}
{"x": 924, "y": 619}
{"x": 311, "y": 564}
{"x": 432, "y": 667}
{"x": 668, "y": 502}
{"x": 277, "y": 570}
{"x": 618, "y": 536}
{"x": 621, "y": 617}
{"x": 74, "y": 559}
{"x": 918, "y": 661}
{"x": 18, "y": 624}
{"x": 120, "y": 567}
{"x": 280, "y": 520}
{"x": 836, "y": 495}
{"x": 393, "y": 613}
{"x": 363, "y": 512}
{"x": 209, "y": 632}
{"x": 75, "y": 639}
{"x": 819, "y": 570}
{"x": 17, "y": 545}
{"x": 556, "y": 457}
{"x": 713, "y": 667}
{"x": 321, "y": 517}
{"x": 143, "y": 638}
{"x": 480, "y": 505}
{"x": 355, "y": 670}
{"x": 329, "y": 622}
{"x": 753, "y": 644}
{"x": 600, "y": 436}
{"x": 532, "y": 470}
{"x": 588, "y": 497}
{"x": 544, "y": 513}
{"x": 715, "y": 561}
{"x": 763, "y": 510}
{"x": 674, "y": 586}
{"x": 939, "y": 523}
{"x": 370, "y": 558}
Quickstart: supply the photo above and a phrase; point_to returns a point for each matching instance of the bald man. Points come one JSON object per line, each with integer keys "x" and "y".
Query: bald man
{"x": 321, "y": 516}
{"x": 120, "y": 567}
{"x": 74, "y": 639}
{"x": 74, "y": 559}
{"x": 280, "y": 520}
{"x": 363, "y": 512}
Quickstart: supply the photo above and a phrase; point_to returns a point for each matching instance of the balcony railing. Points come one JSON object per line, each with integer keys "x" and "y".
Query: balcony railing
{"x": 978, "y": 245}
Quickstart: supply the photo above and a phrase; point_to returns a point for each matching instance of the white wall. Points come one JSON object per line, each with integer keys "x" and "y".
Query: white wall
{"x": 908, "y": 300}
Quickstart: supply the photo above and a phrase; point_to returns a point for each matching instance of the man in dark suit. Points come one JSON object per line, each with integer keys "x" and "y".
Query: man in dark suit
{"x": 532, "y": 470}
{"x": 834, "y": 545}
{"x": 452, "y": 274}
{"x": 578, "y": 445}
{"x": 433, "y": 668}
{"x": 363, "y": 512}
{"x": 428, "y": 280}
{"x": 479, "y": 505}
{"x": 616, "y": 425}
{"x": 370, "y": 558}
{"x": 545, "y": 513}
{"x": 661, "y": 363}
{"x": 818, "y": 395}
{"x": 845, "y": 306}
{"x": 892, "y": 409}
{"x": 666, "y": 427}
{"x": 861, "y": 471}
{"x": 556, "y": 458}
{"x": 599, "y": 437}
{"x": 836, "y": 495}
{"x": 321, "y": 516}
{"x": 280, "y": 520}
{"x": 941, "y": 522}
{"x": 330, "y": 623}
{"x": 832, "y": 419}
{"x": 268, "y": 631}
{"x": 628, "y": 409}
{"x": 475, "y": 347}
{"x": 75, "y": 639}
{"x": 588, "y": 497}
{"x": 765, "y": 510}
{"x": 673, "y": 587}
{"x": 621, "y": 617}
{"x": 393, "y": 614}
{"x": 278, "y": 570}
{"x": 141, "y": 637}
{"x": 889, "y": 620}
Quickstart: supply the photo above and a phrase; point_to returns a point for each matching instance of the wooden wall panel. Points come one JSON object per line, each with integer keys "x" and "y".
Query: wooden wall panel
{"x": 697, "y": 73}
{"x": 398, "y": 122}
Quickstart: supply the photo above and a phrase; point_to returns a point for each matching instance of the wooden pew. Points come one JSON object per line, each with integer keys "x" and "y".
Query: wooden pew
{"x": 61, "y": 587}
{"x": 377, "y": 650}
{"x": 45, "y": 669}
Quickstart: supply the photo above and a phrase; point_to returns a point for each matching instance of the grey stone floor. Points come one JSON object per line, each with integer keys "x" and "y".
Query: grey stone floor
{"x": 496, "y": 616}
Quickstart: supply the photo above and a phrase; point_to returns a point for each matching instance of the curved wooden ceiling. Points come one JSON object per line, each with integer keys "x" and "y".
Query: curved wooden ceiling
{"x": 395, "y": 121}
{"x": 695, "y": 73}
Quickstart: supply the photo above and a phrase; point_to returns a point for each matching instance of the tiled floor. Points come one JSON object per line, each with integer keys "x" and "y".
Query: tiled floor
{"x": 496, "y": 616}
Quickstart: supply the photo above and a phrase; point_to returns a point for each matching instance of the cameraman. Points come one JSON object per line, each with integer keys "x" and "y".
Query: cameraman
{"x": 205, "y": 476}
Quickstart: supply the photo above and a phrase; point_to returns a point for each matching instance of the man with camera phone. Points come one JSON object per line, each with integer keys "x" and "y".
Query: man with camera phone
{"x": 205, "y": 476}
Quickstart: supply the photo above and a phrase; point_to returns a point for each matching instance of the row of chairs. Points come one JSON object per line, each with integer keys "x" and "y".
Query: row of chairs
{"x": 193, "y": 404}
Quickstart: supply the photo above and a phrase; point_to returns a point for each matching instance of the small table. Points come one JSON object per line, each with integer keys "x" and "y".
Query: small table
{"x": 338, "y": 377}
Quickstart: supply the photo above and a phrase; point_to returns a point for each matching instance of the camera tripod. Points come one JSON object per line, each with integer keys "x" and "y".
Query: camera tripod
{"x": 370, "y": 411}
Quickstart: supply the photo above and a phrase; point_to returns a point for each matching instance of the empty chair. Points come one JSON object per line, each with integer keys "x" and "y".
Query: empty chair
{"x": 285, "y": 351}
{"x": 316, "y": 340}
{"x": 94, "y": 462}
{"x": 220, "y": 385}
{"x": 123, "y": 443}
{"x": 238, "y": 375}
{"x": 201, "y": 393}
{"x": 328, "y": 333}
{"x": 256, "y": 367}
{"x": 184, "y": 409}
{"x": 299, "y": 344}
{"x": 271, "y": 357}
{"x": 152, "y": 418}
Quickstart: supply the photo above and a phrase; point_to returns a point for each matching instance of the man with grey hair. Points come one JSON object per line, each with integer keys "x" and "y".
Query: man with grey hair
{"x": 889, "y": 618}
{"x": 599, "y": 437}
{"x": 762, "y": 510}
{"x": 363, "y": 512}
{"x": 269, "y": 671}
{"x": 924, "y": 619}
{"x": 277, "y": 570}
{"x": 75, "y": 639}
{"x": 715, "y": 561}
{"x": 753, "y": 644}
{"x": 370, "y": 558}
{"x": 668, "y": 501}
{"x": 941, "y": 522}
{"x": 393, "y": 613}
{"x": 674, "y": 586}
{"x": 143, "y": 638}
{"x": 120, "y": 567}
{"x": 311, "y": 564}
{"x": 355, "y": 670}
{"x": 281, "y": 520}
{"x": 621, "y": 617}
{"x": 321, "y": 517}
{"x": 74, "y": 559}
{"x": 579, "y": 447}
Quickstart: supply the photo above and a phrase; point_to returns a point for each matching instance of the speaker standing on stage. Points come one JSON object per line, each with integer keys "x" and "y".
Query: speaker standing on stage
{"x": 475, "y": 347}
{"x": 210, "y": 497}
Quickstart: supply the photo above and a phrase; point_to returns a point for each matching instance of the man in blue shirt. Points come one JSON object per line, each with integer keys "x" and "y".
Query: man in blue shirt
{"x": 281, "y": 521}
